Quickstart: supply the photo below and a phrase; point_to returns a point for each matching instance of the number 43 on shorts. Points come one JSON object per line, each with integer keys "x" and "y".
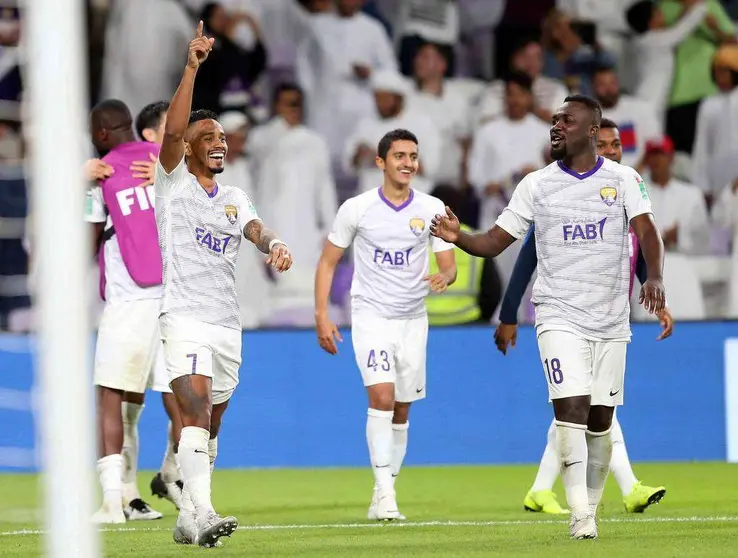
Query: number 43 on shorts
{"x": 383, "y": 360}
{"x": 553, "y": 371}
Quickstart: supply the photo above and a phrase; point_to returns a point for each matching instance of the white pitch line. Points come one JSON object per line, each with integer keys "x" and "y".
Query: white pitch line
{"x": 411, "y": 524}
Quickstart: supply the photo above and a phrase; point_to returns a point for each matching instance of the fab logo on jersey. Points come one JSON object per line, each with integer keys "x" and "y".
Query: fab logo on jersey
{"x": 210, "y": 241}
{"x": 583, "y": 232}
{"x": 394, "y": 259}
{"x": 231, "y": 212}
{"x": 417, "y": 225}
{"x": 608, "y": 194}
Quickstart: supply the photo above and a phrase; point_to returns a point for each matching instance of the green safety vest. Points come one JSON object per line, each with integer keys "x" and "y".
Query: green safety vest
{"x": 458, "y": 305}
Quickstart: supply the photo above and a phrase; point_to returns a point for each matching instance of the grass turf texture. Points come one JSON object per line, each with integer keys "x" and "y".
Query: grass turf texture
{"x": 452, "y": 511}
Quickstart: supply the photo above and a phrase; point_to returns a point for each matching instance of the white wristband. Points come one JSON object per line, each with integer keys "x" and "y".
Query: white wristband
{"x": 273, "y": 242}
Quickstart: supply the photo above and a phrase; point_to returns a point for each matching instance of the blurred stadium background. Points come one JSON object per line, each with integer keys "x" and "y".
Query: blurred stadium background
{"x": 479, "y": 78}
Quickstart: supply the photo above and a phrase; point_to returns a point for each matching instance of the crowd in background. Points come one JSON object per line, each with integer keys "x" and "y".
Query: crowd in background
{"x": 305, "y": 88}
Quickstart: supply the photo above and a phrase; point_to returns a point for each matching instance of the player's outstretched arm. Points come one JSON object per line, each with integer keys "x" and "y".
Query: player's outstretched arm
{"x": 178, "y": 115}
{"x": 653, "y": 295}
{"x": 327, "y": 331}
{"x": 484, "y": 245}
{"x": 268, "y": 242}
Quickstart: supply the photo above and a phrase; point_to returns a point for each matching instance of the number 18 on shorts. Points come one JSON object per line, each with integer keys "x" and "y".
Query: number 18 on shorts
{"x": 392, "y": 351}
{"x": 574, "y": 366}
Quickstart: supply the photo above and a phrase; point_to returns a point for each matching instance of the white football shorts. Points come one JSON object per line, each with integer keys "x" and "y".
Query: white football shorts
{"x": 392, "y": 351}
{"x": 576, "y": 366}
{"x": 129, "y": 353}
{"x": 195, "y": 347}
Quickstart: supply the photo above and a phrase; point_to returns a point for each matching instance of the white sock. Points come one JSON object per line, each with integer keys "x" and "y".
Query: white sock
{"x": 187, "y": 506}
{"x": 169, "y": 468}
{"x": 110, "y": 469}
{"x": 571, "y": 442}
{"x": 195, "y": 463}
{"x": 380, "y": 440}
{"x": 131, "y": 414}
{"x": 550, "y": 465}
{"x": 620, "y": 464}
{"x": 399, "y": 447}
{"x": 212, "y": 453}
{"x": 599, "y": 453}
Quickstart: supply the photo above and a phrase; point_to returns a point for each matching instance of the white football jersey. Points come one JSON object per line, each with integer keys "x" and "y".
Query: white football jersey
{"x": 200, "y": 235}
{"x": 391, "y": 255}
{"x": 582, "y": 243}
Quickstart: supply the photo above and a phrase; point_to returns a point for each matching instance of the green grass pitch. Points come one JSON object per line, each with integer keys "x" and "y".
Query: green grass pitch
{"x": 452, "y": 511}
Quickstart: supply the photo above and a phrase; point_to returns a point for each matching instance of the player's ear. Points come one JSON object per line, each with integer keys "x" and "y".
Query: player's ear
{"x": 188, "y": 149}
{"x": 148, "y": 135}
{"x": 379, "y": 162}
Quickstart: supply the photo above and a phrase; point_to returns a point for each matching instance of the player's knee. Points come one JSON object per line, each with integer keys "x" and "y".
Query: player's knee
{"x": 600, "y": 418}
{"x": 574, "y": 410}
{"x": 382, "y": 397}
{"x": 402, "y": 412}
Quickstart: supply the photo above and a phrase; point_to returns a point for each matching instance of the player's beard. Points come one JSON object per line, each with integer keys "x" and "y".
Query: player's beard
{"x": 558, "y": 153}
{"x": 216, "y": 170}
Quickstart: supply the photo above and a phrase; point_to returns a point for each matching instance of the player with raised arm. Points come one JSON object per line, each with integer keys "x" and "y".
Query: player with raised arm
{"x": 581, "y": 204}
{"x": 201, "y": 224}
{"x": 541, "y": 497}
{"x": 388, "y": 228}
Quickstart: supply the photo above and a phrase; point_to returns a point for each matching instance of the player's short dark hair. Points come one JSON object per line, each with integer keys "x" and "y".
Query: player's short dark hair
{"x": 110, "y": 112}
{"x": 390, "y": 137}
{"x": 522, "y": 43}
{"x": 150, "y": 116}
{"x": 607, "y": 123}
{"x": 639, "y": 16}
{"x": 592, "y": 104}
{"x": 201, "y": 114}
{"x": 520, "y": 79}
{"x": 603, "y": 69}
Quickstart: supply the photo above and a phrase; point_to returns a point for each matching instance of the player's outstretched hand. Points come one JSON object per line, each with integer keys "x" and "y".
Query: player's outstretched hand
{"x": 446, "y": 227}
{"x": 97, "y": 169}
{"x": 667, "y": 324}
{"x": 200, "y": 47}
{"x": 144, "y": 169}
{"x": 506, "y": 335}
{"x": 438, "y": 282}
{"x": 328, "y": 334}
{"x": 653, "y": 296}
{"x": 279, "y": 258}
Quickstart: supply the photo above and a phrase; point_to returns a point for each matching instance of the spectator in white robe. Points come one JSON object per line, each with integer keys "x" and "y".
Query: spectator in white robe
{"x": 391, "y": 93}
{"x": 715, "y": 151}
{"x": 679, "y": 208}
{"x": 506, "y": 149}
{"x": 145, "y": 49}
{"x": 297, "y": 196}
{"x": 335, "y": 65}
{"x": 447, "y": 107}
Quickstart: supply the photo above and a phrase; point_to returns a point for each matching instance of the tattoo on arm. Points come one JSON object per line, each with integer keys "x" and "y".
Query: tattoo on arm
{"x": 256, "y": 232}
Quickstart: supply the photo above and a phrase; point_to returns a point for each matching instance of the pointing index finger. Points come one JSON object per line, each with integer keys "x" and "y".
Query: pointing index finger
{"x": 199, "y": 29}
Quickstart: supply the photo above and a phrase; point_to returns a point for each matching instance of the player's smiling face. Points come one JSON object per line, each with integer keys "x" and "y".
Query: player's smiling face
{"x": 207, "y": 145}
{"x": 571, "y": 130}
{"x": 401, "y": 163}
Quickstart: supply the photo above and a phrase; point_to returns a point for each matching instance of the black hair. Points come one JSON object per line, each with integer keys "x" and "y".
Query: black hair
{"x": 201, "y": 114}
{"x": 523, "y": 43}
{"x": 521, "y": 79}
{"x": 150, "y": 116}
{"x": 592, "y": 104}
{"x": 607, "y": 123}
{"x": 602, "y": 69}
{"x": 286, "y": 87}
{"x": 639, "y": 16}
{"x": 110, "y": 113}
{"x": 390, "y": 137}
